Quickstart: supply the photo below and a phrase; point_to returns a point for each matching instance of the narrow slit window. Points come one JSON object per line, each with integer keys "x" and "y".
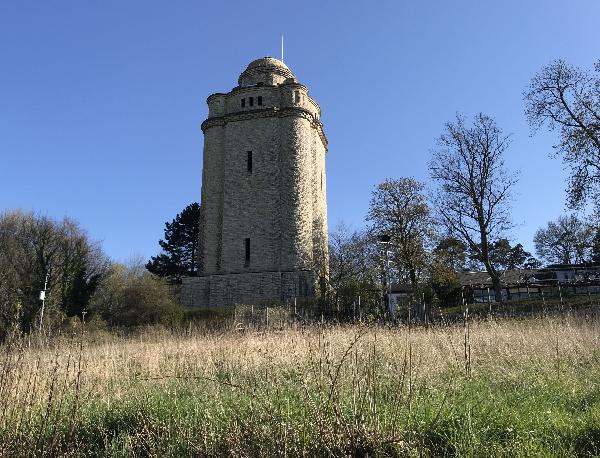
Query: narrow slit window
{"x": 297, "y": 96}
{"x": 259, "y": 100}
{"x": 243, "y": 103}
{"x": 251, "y": 101}
{"x": 249, "y": 162}
{"x": 247, "y": 243}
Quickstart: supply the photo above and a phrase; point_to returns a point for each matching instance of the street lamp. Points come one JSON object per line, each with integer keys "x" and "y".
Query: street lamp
{"x": 384, "y": 238}
{"x": 385, "y": 241}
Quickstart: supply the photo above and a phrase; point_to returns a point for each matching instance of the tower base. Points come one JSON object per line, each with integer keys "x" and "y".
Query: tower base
{"x": 247, "y": 288}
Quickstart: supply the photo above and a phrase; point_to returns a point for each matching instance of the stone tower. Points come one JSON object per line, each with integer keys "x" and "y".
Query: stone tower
{"x": 264, "y": 213}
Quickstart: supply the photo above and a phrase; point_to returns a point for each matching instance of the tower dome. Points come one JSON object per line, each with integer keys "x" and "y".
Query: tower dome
{"x": 266, "y": 70}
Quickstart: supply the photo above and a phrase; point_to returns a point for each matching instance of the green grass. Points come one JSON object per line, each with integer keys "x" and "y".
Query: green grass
{"x": 531, "y": 411}
{"x": 326, "y": 392}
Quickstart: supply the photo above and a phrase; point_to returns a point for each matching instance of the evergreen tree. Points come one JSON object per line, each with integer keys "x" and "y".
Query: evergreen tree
{"x": 596, "y": 247}
{"x": 452, "y": 253}
{"x": 179, "y": 257}
{"x": 504, "y": 256}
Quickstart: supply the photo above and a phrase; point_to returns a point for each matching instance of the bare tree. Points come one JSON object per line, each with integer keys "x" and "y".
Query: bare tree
{"x": 399, "y": 209}
{"x": 565, "y": 241}
{"x": 473, "y": 186}
{"x": 10, "y": 293}
{"x": 566, "y": 99}
{"x": 353, "y": 262}
{"x": 35, "y": 248}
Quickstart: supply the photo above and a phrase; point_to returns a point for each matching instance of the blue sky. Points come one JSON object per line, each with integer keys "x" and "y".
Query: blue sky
{"x": 101, "y": 101}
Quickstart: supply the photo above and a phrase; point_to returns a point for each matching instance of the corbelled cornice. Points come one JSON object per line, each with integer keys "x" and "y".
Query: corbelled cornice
{"x": 267, "y": 113}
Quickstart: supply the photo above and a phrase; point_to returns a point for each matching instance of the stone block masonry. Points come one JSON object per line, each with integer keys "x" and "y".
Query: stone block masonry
{"x": 247, "y": 288}
{"x": 264, "y": 213}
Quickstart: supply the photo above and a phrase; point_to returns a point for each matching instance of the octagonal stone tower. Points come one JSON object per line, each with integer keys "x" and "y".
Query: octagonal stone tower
{"x": 264, "y": 213}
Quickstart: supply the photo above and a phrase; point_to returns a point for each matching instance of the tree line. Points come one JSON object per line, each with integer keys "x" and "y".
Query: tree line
{"x": 460, "y": 223}
{"x": 53, "y": 276}
{"x": 463, "y": 221}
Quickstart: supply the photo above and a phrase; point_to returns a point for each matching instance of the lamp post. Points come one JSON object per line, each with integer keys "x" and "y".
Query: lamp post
{"x": 385, "y": 241}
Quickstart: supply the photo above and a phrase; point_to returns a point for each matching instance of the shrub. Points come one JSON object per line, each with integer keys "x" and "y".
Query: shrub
{"x": 132, "y": 296}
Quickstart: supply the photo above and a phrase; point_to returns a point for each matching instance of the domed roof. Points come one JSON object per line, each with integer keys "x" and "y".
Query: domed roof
{"x": 266, "y": 70}
{"x": 267, "y": 62}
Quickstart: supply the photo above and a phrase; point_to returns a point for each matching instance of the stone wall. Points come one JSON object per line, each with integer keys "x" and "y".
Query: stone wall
{"x": 247, "y": 288}
{"x": 212, "y": 199}
{"x": 251, "y": 201}
{"x": 288, "y": 95}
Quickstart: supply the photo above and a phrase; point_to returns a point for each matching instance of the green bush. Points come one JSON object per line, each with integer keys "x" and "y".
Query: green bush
{"x": 132, "y": 296}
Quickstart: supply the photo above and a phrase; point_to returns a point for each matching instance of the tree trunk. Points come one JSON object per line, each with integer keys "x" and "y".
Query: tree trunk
{"x": 413, "y": 277}
{"x": 497, "y": 287}
{"x": 485, "y": 255}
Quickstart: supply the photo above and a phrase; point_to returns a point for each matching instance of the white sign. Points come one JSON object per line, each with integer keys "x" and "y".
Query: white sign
{"x": 42, "y": 295}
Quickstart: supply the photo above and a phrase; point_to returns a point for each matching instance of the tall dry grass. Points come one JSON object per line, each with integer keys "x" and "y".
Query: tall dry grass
{"x": 299, "y": 391}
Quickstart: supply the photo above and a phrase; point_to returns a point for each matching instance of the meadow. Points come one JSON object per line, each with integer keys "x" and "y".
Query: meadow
{"x": 519, "y": 387}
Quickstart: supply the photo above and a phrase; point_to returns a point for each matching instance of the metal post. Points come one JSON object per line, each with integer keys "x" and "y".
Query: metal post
{"x": 391, "y": 307}
{"x": 560, "y": 295}
{"x": 543, "y": 299}
{"x": 43, "y": 299}
{"x": 391, "y": 310}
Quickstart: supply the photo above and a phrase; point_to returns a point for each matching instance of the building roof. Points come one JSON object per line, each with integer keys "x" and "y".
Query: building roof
{"x": 576, "y": 272}
{"x": 265, "y": 66}
{"x": 508, "y": 277}
{"x": 585, "y": 265}
{"x": 265, "y": 62}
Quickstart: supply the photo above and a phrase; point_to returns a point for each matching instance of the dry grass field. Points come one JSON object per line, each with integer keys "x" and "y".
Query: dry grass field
{"x": 526, "y": 387}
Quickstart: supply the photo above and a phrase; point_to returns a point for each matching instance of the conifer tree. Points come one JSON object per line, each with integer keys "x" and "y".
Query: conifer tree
{"x": 179, "y": 256}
